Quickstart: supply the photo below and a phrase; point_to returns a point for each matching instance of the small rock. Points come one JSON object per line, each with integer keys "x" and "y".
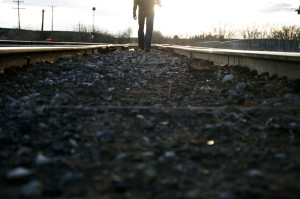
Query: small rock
{"x": 25, "y": 114}
{"x": 43, "y": 125}
{"x": 292, "y": 98}
{"x": 268, "y": 87}
{"x": 105, "y": 136}
{"x": 42, "y": 160}
{"x": 110, "y": 75}
{"x": 73, "y": 142}
{"x": 219, "y": 75}
{"x": 40, "y": 110}
{"x": 192, "y": 193}
{"x": 228, "y": 78}
{"x": 232, "y": 93}
{"x": 241, "y": 86}
{"x": 99, "y": 63}
{"x": 150, "y": 173}
{"x": 60, "y": 99}
{"x": 57, "y": 146}
{"x": 33, "y": 95}
{"x": 100, "y": 133}
{"x": 146, "y": 140}
{"x": 31, "y": 189}
{"x": 120, "y": 156}
{"x": 255, "y": 173}
{"x": 292, "y": 125}
{"x": 111, "y": 89}
{"x": 210, "y": 142}
{"x": 280, "y": 155}
{"x": 91, "y": 65}
{"x": 170, "y": 154}
{"x": 23, "y": 151}
{"x": 249, "y": 96}
{"x": 141, "y": 123}
{"x": 205, "y": 88}
{"x": 225, "y": 195}
{"x": 147, "y": 154}
{"x": 270, "y": 101}
{"x": 86, "y": 84}
{"x": 70, "y": 176}
{"x": 19, "y": 175}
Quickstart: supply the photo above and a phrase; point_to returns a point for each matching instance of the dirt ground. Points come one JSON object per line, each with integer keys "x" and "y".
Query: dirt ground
{"x": 130, "y": 124}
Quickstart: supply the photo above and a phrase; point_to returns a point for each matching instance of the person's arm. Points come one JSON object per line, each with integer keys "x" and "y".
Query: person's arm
{"x": 158, "y": 2}
{"x": 135, "y": 2}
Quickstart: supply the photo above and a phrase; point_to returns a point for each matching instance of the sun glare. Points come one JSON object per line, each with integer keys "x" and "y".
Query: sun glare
{"x": 192, "y": 17}
{"x": 185, "y": 17}
{"x": 176, "y": 17}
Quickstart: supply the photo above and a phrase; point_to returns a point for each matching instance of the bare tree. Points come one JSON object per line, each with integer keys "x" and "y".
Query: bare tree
{"x": 124, "y": 36}
{"x": 243, "y": 33}
{"x": 253, "y": 31}
{"x": 220, "y": 32}
{"x": 230, "y": 32}
{"x": 157, "y": 37}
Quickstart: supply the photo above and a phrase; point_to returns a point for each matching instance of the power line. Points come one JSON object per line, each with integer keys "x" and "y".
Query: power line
{"x": 19, "y": 20}
{"x": 52, "y": 6}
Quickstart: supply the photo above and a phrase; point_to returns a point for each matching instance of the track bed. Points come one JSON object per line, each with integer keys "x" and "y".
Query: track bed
{"x": 130, "y": 124}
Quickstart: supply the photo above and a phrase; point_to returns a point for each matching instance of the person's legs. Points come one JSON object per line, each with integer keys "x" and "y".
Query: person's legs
{"x": 141, "y": 34}
{"x": 149, "y": 30}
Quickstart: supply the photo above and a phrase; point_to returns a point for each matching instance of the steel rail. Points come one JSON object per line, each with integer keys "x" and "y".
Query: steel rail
{"x": 19, "y": 50}
{"x": 17, "y": 42}
{"x": 19, "y": 56}
{"x": 275, "y": 63}
{"x": 164, "y": 108}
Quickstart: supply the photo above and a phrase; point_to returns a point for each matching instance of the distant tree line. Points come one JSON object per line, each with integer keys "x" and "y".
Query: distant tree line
{"x": 251, "y": 37}
{"x": 101, "y": 36}
{"x": 284, "y": 37}
{"x": 227, "y": 33}
{"x": 81, "y": 33}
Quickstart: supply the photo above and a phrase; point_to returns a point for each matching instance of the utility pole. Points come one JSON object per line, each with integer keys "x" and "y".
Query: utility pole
{"x": 42, "y": 31}
{"x": 19, "y": 21}
{"x": 94, "y": 9}
{"x": 298, "y": 11}
{"x": 52, "y": 20}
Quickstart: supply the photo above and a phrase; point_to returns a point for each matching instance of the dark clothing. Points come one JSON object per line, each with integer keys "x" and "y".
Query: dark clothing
{"x": 145, "y": 40}
{"x": 145, "y": 5}
{"x": 146, "y": 13}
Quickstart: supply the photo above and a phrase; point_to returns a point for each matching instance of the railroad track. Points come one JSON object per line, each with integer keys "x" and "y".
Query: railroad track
{"x": 28, "y": 52}
{"x": 9, "y": 43}
{"x": 130, "y": 124}
{"x": 275, "y": 63}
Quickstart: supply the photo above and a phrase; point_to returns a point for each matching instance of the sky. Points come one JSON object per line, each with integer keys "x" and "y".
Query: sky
{"x": 176, "y": 17}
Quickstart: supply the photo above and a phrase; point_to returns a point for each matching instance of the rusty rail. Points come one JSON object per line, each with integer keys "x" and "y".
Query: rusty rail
{"x": 46, "y": 43}
{"x": 19, "y": 56}
{"x": 275, "y": 63}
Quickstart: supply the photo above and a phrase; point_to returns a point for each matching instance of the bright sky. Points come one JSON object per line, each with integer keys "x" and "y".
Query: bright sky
{"x": 182, "y": 17}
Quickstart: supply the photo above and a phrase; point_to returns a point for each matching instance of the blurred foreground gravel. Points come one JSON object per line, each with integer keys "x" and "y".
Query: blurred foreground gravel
{"x": 130, "y": 124}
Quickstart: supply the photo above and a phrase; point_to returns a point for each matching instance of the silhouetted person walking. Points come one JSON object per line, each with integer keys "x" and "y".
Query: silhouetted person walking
{"x": 146, "y": 12}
